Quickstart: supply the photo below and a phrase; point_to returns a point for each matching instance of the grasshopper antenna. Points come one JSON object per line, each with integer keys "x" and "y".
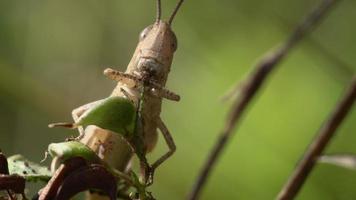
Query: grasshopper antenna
{"x": 159, "y": 11}
{"x": 175, "y": 12}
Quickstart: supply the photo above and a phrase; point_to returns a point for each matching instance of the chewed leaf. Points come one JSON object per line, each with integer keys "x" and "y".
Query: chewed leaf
{"x": 29, "y": 170}
{"x": 342, "y": 160}
{"x": 116, "y": 114}
{"x": 66, "y": 150}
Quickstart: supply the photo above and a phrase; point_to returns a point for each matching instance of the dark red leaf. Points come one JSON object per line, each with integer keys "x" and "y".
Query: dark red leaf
{"x": 4, "y": 169}
{"x": 14, "y": 183}
{"x": 50, "y": 190}
{"x": 94, "y": 176}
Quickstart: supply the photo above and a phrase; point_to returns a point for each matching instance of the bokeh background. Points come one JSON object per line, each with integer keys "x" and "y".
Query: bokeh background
{"x": 52, "y": 54}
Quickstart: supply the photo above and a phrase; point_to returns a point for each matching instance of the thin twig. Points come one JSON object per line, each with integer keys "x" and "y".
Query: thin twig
{"x": 339, "y": 66}
{"x": 252, "y": 85}
{"x": 296, "y": 180}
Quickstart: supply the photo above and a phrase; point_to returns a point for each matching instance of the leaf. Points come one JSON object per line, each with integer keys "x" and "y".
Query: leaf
{"x": 29, "y": 170}
{"x": 4, "y": 169}
{"x": 88, "y": 177}
{"x": 116, "y": 114}
{"x": 342, "y": 160}
{"x": 50, "y": 190}
{"x": 66, "y": 150}
{"x": 13, "y": 182}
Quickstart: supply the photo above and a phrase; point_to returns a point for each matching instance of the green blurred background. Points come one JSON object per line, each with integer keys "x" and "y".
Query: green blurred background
{"x": 52, "y": 54}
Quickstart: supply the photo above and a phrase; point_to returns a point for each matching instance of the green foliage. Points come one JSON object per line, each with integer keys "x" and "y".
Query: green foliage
{"x": 29, "y": 170}
{"x": 119, "y": 115}
{"x": 66, "y": 150}
{"x": 116, "y": 114}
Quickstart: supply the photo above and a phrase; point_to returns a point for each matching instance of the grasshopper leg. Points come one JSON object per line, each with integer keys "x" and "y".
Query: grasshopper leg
{"x": 170, "y": 143}
{"x": 164, "y": 93}
{"x": 128, "y": 79}
{"x": 133, "y": 80}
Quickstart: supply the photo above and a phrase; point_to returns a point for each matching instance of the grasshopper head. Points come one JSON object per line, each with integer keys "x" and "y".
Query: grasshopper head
{"x": 157, "y": 44}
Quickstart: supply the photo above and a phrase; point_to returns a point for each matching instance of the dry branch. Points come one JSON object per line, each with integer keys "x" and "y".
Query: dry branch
{"x": 252, "y": 85}
{"x": 316, "y": 148}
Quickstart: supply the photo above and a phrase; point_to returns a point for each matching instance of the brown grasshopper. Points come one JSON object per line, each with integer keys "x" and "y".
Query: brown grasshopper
{"x": 146, "y": 74}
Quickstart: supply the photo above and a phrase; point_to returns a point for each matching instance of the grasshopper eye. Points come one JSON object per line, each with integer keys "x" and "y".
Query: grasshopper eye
{"x": 174, "y": 44}
{"x": 145, "y": 32}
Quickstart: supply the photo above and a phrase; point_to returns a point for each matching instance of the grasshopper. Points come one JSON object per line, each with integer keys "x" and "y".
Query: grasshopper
{"x": 146, "y": 74}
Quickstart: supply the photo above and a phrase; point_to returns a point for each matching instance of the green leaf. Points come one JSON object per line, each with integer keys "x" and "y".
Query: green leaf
{"x": 116, "y": 114}
{"x": 66, "y": 150}
{"x": 29, "y": 170}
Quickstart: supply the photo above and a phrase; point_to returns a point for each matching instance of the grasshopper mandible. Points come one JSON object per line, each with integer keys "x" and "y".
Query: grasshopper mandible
{"x": 146, "y": 73}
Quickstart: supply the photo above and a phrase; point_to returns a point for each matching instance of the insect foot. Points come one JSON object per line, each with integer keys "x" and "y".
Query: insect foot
{"x": 150, "y": 177}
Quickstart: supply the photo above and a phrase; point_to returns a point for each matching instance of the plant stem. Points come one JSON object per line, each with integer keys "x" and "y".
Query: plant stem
{"x": 296, "y": 180}
{"x": 253, "y": 83}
